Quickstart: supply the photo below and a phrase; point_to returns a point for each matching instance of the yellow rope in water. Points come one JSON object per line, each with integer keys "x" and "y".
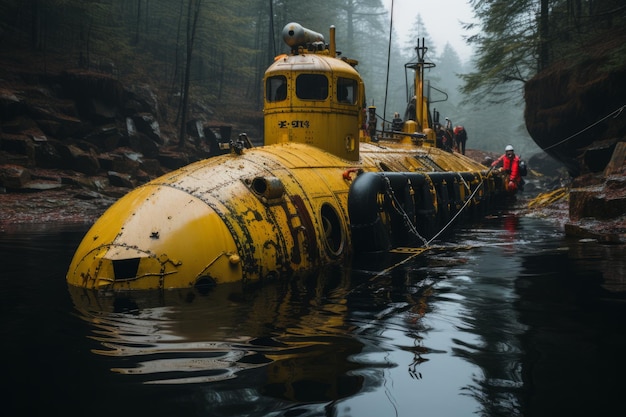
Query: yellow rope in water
{"x": 547, "y": 198}
{"x": 418, "y": 251}
{"x": 421, "y": 250}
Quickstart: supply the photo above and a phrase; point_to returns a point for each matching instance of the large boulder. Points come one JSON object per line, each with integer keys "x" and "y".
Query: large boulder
{"x": 576, "y": 111}
{"x": 14, "y": 176}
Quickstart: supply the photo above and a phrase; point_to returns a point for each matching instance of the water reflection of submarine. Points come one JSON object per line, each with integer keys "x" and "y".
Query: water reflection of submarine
{"x": 289, "y": 338}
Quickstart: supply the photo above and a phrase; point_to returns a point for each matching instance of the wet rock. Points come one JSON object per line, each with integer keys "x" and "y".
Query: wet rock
{"x": 148, "y": 125}
{"x": 592, "y": 229}
{"x": 575, "y": 110}
{"x": 101, "y": 112}
{"x": 14, "y": 176}
{"x": 151, "y": 167}
{"x": 10, "y": 104}
{"x": 140, "y": 98}
{"x": 107, "y": 137}
{"x": 87, "y": 195}
{"x": 143, "y": 144}
{"x": 568, "y": 108}
{"x": 125, "y": 161}
{"x": 47, "y": 156}
{"x": 54, "y": 122}
{"x": 195, "y": 129}
{"x": 79, "y": 160}
{"x": 20, "y": 144}
{"x": 173, "y": 160}
{"x": 597, "y": 206}
{"x": 42, "y": 185}
{"x": 546, "y": 164}
{"x": 84, "y": 86}
{"x": 142, "y": 177}
{"x": 116, "y": 192}
{"x": 100, "y": 138}
{"x": 97, "y": 183}
{"x": 594, "y": 202}
{"x": 616, "y": 165}
{"x": 18, "y": 125}
{"x": 120, "y": 180}
{"x": 596, "y": 156}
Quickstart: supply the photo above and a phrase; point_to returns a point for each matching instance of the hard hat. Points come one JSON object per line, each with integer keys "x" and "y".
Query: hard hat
{"x": 508, "y": 148}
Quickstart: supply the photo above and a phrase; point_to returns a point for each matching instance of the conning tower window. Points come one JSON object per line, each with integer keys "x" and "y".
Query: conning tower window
{"x": 312, "y": 87}
{"x": 346, "y": 90}
{"x": 276, "y": 88}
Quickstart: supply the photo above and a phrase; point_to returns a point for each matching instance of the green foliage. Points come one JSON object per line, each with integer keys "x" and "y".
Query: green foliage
{"x": 517, "y": 38}
{"x": 144, "y": 41}
{"x": 507, "y": 42}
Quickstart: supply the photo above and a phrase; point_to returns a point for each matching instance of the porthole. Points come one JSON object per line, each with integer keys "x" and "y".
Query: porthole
{"x": 334, "y": 236}
{"x": 205, "y": 284}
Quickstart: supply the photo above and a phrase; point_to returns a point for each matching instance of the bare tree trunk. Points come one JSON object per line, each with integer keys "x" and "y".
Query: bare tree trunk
{"x": 350, "y": 29}
{"x": 137, "y": 22}
{"x": 192, "y": 20}
{"x": 36, "y": 25}
{"x": 176, "y": 83}
{"x": 544, "y": 25}
{"x": 221, "y": 79}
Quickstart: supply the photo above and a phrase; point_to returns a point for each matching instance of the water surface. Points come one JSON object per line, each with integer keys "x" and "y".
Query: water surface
{"x": 507, "y": 317}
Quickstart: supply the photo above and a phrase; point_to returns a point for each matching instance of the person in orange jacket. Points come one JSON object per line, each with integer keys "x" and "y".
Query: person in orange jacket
{"x": 508, "y": 164}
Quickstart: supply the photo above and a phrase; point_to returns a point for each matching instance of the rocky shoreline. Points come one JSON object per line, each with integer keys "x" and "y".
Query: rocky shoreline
{"x": 64, "y": 196}
{"x": 72, "y": 143}
{"x": 591, "y": 206}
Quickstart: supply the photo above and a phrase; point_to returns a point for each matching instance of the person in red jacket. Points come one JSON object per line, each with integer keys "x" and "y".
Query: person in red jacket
{"x": 508, "y": 164}
{"x": 460, "y": 137}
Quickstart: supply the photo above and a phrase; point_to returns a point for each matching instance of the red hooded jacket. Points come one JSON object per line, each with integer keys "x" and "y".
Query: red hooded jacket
{"x": 509, "y": 165}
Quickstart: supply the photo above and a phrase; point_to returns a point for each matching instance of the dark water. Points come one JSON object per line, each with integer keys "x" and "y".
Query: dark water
{"x": 508, "y": 318}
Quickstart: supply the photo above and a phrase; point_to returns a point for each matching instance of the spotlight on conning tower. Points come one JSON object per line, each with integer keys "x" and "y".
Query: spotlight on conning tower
{"x": 294, "y": 35}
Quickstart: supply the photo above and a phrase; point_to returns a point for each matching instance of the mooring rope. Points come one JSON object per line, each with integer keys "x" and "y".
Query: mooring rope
{"x": 413, "y": 229}
{"x": 482, "y": 181}
{"x": 402, "y": 212}
{"x": 614, "y": 113}
{"x": 464, "y": 182}
{"x": 407, "y": 219}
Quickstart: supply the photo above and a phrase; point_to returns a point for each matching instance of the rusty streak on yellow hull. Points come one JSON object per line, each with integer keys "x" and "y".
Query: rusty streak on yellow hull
{"x": 271, "y": 211}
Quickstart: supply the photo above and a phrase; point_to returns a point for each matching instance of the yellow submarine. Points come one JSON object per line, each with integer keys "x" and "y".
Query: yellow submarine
{"x": 326, "y": 186}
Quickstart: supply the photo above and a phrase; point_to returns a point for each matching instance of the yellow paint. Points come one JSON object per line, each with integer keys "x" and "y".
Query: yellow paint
{"x": 266, "y": 212}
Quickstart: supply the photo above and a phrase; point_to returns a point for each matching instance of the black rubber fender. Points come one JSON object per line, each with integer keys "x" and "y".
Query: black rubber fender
{"x": 370, "y": 233}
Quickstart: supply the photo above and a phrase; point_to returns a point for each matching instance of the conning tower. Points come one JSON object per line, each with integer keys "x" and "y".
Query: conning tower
{"x": 312, "y": 96}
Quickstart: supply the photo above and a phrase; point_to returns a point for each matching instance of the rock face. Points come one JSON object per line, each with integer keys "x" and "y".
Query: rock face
{"x": 108, "y": 135}
{"x": 576, "y": 112}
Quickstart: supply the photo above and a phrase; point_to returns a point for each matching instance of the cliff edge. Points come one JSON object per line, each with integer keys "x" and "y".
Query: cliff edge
{"x": 576, "y": 112}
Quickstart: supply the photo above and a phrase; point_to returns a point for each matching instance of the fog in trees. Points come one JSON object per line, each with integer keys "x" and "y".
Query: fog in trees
{"x": 219, "y": 69}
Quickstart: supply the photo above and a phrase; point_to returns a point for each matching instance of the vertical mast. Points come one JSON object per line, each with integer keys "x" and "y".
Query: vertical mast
{"x": 419, "y": 84}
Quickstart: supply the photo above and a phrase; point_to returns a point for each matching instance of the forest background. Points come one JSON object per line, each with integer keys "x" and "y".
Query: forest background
{"x": 206, "y": 58}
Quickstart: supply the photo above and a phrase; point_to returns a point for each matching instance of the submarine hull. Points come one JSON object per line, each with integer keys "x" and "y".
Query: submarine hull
{"x": 293, "y": 205}
{"x": 266, "y": 213}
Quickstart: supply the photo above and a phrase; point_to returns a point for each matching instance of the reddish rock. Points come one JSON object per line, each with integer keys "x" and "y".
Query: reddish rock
{"x": 14, "y": 176}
